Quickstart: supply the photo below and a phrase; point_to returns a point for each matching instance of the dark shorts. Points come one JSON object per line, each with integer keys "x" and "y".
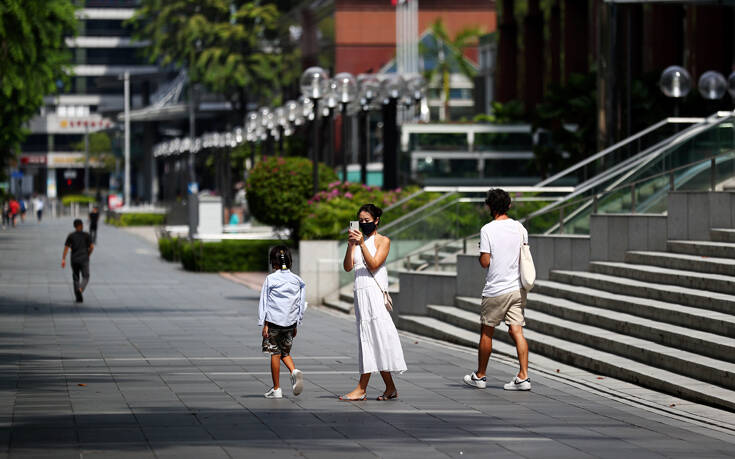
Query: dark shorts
{"x": 279, "y": 340}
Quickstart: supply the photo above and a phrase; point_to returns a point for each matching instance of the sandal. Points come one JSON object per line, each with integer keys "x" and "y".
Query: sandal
{"x": 344, "y": 398}
{"x": 386, "y": 397}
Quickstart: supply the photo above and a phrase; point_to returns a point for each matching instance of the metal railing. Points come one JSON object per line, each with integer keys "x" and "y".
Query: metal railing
{"x": 632, "y": 187}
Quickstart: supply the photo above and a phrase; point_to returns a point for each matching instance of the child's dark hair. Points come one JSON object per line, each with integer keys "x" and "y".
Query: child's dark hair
{"x": 372, "y": 209}
{"x": 280, "y": 257}
{"x": 498, "y": 201}
{"x": 78, "y": 222}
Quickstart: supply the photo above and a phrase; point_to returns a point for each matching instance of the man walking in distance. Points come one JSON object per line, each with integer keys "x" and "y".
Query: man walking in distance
{"x": 81, "y": 247}
{"x": 503, "y": 297}
{"x": 94, "y": 216}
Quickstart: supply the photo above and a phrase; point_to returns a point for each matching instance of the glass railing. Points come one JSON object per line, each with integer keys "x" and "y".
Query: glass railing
{"x": 619, "y": 154}
{"x": 697, "y": 159}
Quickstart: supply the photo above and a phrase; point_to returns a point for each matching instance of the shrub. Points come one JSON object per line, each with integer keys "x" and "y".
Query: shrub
{"x": 170, "y": 248}
{"x": 77, "y": 198}
{"x": 329, "y": 212}
{"x": 278, "y": 190}
{"x": 227, "y": 255}
{"x": 136, "y": 219}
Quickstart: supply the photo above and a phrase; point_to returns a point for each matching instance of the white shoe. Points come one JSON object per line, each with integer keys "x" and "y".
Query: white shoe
{"x": 474, "y": 381}
{"x": 518, "y": 384}
{"x": 274, "y": 393}
{"x": 297, "y": 380}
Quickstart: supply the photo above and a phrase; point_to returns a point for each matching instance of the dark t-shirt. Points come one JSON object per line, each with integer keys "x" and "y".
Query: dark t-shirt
{"x": 93, "y": 217}
{"x": 79, "y": 242}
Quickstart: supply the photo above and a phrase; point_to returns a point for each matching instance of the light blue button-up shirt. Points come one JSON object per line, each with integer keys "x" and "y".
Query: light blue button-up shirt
{"x": 282, "y": 299}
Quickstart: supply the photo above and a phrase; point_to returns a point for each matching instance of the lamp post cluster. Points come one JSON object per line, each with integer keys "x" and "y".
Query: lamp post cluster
{"x": 320, "y": 98}
{"x": 676, "y": 83}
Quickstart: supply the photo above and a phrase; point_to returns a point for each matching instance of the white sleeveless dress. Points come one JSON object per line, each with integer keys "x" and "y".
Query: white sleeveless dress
{"x": 377, "y": 338}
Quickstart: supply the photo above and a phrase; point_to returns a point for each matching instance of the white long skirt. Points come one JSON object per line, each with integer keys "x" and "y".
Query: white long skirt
{"x": 379, "y": 347}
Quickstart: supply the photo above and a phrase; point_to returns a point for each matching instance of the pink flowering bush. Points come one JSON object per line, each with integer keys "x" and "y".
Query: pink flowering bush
{"x": 330, "y": 211}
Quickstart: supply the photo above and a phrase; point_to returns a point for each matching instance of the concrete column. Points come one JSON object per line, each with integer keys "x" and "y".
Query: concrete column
{"x": 534, "y": 55}
{"x": 507, "y": 54}
{"x": 576, "y": 39}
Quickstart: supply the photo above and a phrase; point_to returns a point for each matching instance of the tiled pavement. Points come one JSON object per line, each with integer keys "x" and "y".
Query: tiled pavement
{"x": 159, "y": 362}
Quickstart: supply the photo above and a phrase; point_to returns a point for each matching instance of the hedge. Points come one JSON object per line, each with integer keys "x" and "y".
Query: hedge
{"x": 226, "y": 255}
{"x": 170, "y": 248}
{"x": 77, "y": 198}
{"x": 136, "y": 219}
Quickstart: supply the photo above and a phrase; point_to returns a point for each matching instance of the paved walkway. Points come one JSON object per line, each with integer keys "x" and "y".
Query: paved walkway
{"x": 159, "y": 362}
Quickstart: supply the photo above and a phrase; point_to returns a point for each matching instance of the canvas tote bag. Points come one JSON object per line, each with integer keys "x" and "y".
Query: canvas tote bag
{"x": 525, "y": 264}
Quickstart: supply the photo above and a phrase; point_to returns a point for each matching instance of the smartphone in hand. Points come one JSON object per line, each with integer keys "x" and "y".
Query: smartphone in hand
{"x": 354, "y": 225}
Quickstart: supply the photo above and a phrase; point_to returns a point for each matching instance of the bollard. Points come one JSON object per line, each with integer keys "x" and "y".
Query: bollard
{"x": 561, "y": 221}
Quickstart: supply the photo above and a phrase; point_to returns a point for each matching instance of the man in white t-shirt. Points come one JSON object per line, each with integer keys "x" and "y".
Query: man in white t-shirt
{"x": 503, "y": 298}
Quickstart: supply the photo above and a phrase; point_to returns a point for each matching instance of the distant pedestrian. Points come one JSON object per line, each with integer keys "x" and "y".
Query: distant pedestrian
{"x": 14, "y": 210}
{"x": 81, "y": 246}
{"x": 38, "y": 207}
{"x": 379, "y": 347}
{"x": 6, "y": 213}
{"x": 94, "y": 216}
{"x": 503, "y": 297}
{"x": 23, "y": 209}
{"x": 280, "y": 312}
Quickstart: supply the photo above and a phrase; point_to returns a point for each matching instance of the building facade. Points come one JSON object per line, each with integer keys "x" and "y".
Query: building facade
{"x": 51, "y": 160}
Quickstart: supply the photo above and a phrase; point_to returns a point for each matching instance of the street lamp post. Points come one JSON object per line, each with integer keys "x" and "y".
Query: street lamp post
{"x": 369, "y": 90}
{"x": 313, "y": 87}
{"x": 126, "y": 148}
{"x": 330, "y": 103}
{"x": 346, "y": 90}
{"x": 391, "y": 89}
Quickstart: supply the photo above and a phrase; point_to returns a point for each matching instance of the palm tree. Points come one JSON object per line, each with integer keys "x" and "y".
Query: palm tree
{"x": 449, "y": 54}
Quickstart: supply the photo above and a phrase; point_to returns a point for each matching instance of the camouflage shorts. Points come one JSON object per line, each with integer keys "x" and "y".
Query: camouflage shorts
{"x": 279, "y": 340}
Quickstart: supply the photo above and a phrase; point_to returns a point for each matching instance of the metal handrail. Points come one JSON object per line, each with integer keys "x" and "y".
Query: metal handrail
{"x": 632, "y": 185}
{"x": 637, "y": 159}
{"x": 396, "y": 204}
{"x": 415, "y": 211}
{"x": 616, "y": 146}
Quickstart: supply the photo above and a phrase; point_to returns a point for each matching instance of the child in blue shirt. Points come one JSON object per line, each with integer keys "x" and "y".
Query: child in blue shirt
{"x": 281, "y": 309}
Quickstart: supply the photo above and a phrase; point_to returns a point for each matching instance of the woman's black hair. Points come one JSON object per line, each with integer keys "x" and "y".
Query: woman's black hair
{"x": 498, "y": 201}
{"x": 280, "y": 257}
{"x": 372, "y": 209}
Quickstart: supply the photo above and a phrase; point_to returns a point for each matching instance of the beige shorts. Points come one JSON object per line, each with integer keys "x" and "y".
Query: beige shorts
{"x": 507, "y": 308}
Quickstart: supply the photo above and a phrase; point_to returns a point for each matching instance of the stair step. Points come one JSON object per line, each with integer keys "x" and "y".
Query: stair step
{"x": 725, "y": 266}
{"x": 703, "y": 248}
{"x": 339, "y": 305}
{"x": 656, "y": 274}
{"x": 683, "y": 362}
{"x": 722, "y": 235}
{"x": 684, "y": 338}
{"x": 715, "y": 301}
{"x": 585, "y": 357}
{"x": 685, "y": 316}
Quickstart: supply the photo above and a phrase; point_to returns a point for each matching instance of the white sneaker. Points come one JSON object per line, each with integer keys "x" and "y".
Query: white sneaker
{"x": 274, "y": 393}
{"x": 518, "y": 384}
{"x": 297, "y": 380}
{"x": 474, "y": 381}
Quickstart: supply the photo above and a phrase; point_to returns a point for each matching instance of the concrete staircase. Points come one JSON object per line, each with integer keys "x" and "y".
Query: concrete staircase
{"x": 664, "y": 320}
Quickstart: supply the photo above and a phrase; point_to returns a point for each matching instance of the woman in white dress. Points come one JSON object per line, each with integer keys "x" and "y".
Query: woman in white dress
{"x": 379, "y": 348}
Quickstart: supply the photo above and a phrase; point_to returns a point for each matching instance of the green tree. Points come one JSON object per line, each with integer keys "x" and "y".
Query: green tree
{"x": 35, "y": 62}
{"x": 449, "y": 55}
{"x": 230, "y": 46}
